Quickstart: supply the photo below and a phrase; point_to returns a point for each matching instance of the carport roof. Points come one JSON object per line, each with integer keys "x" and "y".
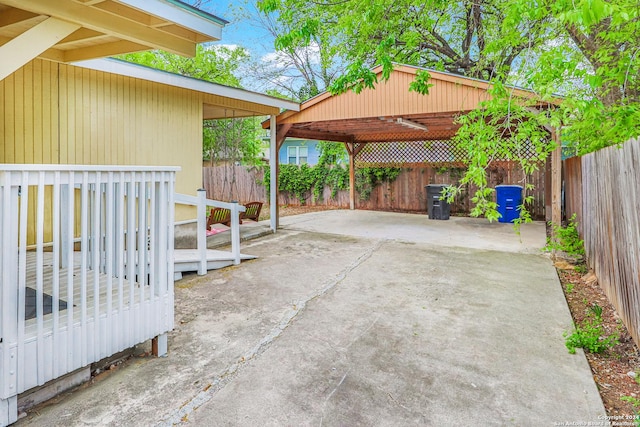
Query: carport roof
{"x": 391, "y": 112}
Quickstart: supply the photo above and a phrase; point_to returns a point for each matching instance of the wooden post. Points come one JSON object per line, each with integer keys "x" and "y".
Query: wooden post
{"x": 201, "y": 230}
{"x": 556, "y": 182}
{"x": 273, "y": 181}
{"x": 352, "y": 175}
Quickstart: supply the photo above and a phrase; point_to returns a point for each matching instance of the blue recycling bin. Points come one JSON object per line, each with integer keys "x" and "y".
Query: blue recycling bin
{"x": 508, "y": 198}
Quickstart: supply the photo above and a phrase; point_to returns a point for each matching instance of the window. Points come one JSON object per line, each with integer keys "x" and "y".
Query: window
{"x": 297, "y": 155}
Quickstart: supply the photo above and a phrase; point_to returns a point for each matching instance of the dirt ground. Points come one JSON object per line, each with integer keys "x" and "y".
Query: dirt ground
{"x": 616, "y": 371}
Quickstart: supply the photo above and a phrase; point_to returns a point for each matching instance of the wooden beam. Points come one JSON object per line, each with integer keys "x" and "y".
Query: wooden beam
{"x": 119, "y": 9}
{"x": 321, "y": 136}
{"x": 108, "y": 23}
{"x": 358, "y": 147}
{"x": 102, "y": 50}
{"x": 28, "y": 45}
{"x": 14, "y": 16}
{"x": 83, "y": 34}
{"x": 281, "y": 135}
{"x": 90, "y": 2}
{"x": 52, "y": 54}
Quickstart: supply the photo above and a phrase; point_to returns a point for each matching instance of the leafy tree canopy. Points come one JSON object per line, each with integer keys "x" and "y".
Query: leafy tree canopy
{"x": 586, "y": 50}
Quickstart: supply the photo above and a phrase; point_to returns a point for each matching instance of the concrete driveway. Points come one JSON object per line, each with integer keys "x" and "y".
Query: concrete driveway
{"x": 359, "y": 318}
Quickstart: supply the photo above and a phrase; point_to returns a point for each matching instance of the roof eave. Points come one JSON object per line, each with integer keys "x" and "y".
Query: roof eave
{"x": 129, "y": 69}
{"x": 182, "y": 14}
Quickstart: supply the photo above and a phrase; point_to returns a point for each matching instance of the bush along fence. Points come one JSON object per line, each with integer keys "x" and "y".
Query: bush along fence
{"x": 388, "y": 188}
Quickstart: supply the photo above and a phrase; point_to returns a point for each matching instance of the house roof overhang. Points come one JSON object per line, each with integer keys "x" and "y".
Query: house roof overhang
{"x": 391, "y": 112}
{"x": 219, "y": 101}
{"x": 76, "y": 30}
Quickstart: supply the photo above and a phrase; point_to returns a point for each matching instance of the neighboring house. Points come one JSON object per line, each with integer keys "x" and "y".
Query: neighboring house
{"x": 91, "y": 155}
{"x": 296, "y": 151}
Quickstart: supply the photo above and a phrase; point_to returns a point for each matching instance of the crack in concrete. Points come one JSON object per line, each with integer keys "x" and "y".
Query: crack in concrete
{"x": 181, "y": 415}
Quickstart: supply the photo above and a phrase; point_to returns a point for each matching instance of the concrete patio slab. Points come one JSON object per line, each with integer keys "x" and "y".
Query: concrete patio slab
{"x": 406, "y": 321}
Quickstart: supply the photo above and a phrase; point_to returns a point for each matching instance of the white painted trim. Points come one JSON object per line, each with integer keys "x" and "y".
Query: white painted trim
{"x": 273, "y": 170}
{"x": 123, "y": 68}
{"x": 179, "y": 15}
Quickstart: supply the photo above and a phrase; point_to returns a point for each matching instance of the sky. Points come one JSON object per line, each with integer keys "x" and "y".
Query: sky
{"x": 241, "y": 30}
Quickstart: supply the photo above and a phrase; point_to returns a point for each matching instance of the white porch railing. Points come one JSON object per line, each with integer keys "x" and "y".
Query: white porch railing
{"x": 202, "y": 203}
{"x": 86, "y": 268}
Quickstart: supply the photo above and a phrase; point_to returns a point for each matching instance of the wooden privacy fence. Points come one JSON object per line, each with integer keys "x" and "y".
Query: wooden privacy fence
{"x": 602, "y": 190}
{"x": 406, "y": 193}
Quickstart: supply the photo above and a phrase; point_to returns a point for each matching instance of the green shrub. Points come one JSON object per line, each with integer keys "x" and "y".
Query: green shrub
{"x": 591, "y": 337}
{"x": 566, "y": 239}
{"x": 368, "y": 178}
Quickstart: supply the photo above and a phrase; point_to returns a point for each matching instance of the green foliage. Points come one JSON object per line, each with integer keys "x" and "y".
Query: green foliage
{"x": 636, "y": 404}
{"x": 569, "y": 287}
{"x": 368, "y": 178}
{"x": 421, "y": 83}
{"x": 593, "y": 62}
{"x": 233, "y": 139}
{"x": 332, "y": 153}
{"x": 297, "y": 180}
{"x": 566, "y": 239}
{"x": 591, "y": 337}
{"x": 596, "y": 311}
{"x": 217, "y": 64}
{"x": 304, "y": 180}
{"x": 581, "y": 269}
{"x": 452, "y": 36}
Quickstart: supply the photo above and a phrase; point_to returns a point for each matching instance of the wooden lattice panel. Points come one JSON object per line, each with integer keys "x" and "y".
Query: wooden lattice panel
{"x": 408, "y": 153}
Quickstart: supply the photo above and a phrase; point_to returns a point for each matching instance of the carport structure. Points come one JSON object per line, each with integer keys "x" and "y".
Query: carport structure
{"x": 391, "y": 113}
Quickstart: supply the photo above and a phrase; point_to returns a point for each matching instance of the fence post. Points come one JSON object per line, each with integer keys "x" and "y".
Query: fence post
{"x": 202, "y": 231}
{"x": 235, "y": 232}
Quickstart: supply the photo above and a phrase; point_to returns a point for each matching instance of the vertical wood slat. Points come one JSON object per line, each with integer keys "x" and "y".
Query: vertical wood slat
{"x": 22, "y": 279}
{"x": 84, "y": 265}
{"x": 169, "y": 274}
{"x": 131, "y": 255}
{"x": 8, "y": 327}
{"x": 96, "y": 237}
{"x": 601, "y": 187}
{"x": 56, "y": 343}
{"x": 141, "y": 274}
{"x": 40, "y": 276}
{"x": 70, "y": 213}
{"x": 109, "y": 233}
{"x": 121, "y": 200}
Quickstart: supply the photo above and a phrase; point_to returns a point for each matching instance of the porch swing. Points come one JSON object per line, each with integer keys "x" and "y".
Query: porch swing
{"x": 232, "y": 137}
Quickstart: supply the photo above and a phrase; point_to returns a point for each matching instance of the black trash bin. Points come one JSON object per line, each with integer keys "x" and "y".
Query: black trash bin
{"x": 508, "y": 198}
{"x": 436, "y": 208}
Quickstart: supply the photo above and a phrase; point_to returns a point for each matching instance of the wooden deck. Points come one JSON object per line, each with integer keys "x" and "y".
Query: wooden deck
{"x": 78, "y": 290}
{"x": 123, "y": 293}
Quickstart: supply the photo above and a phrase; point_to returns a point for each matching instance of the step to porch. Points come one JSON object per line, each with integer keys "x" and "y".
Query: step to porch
{"x": 188, "y": 260}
